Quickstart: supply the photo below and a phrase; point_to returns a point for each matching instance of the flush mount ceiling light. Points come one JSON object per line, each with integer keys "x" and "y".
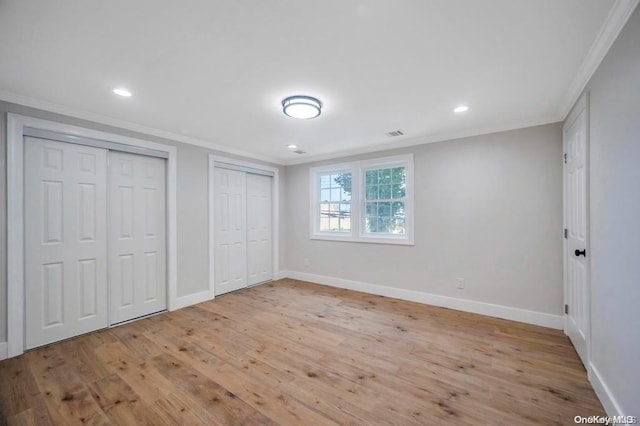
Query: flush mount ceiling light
{"x": 122, "y": 92}
{"x": 461, "y": 108}
{"x": 304, "y": 107}
{"x": 292, "y": 146}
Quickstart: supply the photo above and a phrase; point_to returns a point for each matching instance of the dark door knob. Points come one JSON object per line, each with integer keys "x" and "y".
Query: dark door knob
{"x": 581, "y": 252}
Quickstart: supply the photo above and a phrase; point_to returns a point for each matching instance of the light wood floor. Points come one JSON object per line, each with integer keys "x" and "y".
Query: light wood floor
{"x": 297, "y": 353}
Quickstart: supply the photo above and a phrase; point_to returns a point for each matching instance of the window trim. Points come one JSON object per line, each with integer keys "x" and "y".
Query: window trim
{"x": 357, "y": 170}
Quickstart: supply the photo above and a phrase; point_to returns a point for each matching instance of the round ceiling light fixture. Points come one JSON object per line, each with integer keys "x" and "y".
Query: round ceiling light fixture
{"x": 122, "y": 92}
{"x": 303, "y": 107}
{"x": 461, "y": 108}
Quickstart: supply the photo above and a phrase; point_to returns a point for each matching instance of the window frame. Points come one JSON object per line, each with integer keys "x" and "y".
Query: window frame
{"x": 358, "y": 199}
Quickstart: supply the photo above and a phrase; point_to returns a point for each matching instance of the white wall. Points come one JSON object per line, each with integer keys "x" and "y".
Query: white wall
{"x": 487, "y": 208}
{"x": 615, "y": 223}
{"x": 192, "y": 209}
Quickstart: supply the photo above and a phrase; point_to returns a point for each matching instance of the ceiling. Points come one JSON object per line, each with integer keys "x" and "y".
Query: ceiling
{"x": 214, "y": 73}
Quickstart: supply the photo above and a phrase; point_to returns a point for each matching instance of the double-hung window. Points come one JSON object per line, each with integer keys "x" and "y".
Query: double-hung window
{"x": 364, "y": 201}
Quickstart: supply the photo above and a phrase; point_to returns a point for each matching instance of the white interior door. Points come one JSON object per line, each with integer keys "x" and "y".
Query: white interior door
{"x": 230, "y": 230}
{"x": 137, "y": 235}
{"x": 259, "y": 245}
{"x": 65, "y": 189}
{"x": 576, "y": 225}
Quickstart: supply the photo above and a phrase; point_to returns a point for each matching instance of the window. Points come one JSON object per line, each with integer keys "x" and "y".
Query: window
{"x": 365, "y": 201}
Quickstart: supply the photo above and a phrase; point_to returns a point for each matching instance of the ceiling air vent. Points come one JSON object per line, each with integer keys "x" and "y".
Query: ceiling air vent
{"x": 395, "y": 133}
{"x": 299, "y": 151}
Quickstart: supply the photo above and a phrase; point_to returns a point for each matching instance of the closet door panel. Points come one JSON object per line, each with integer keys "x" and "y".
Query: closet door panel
{"x": 137, "y": 236}
{"x": 259, "y": 224}
{"x": 230, "y": 222}
{"x": 65, "y": 206}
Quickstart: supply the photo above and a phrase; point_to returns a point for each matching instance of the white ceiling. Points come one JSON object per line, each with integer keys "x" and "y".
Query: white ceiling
{"x": 214, "y": 72}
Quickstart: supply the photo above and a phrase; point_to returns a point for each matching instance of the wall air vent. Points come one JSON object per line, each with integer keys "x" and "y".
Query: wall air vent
{"x": 299, "y": 151}
{"x": 396, "y": 133}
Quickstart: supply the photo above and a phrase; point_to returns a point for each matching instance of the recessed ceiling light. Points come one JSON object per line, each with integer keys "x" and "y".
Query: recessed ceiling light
{"x": 461, "y": 108}
{"x": 304, "y": 107}
{"x": 292, "y": 146}
{"x": 122, "y": 92}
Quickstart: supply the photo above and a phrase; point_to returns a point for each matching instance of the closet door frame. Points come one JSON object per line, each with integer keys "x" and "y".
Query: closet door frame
{"x": 16, "y": 125}
{"x": 275, "y": 211}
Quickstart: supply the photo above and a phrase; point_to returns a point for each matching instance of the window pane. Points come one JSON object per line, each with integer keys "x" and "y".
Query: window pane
{"x": 335, "y": 194}
{"x": 397, "y": 209}
{"x": 399, "y": 175}
{"x": 397, "y": 190}
{"x": 342, "y": 181}
{"x": 325, "y": 195}
{"x": 371, "y": 209}
{"x": 324, "y": 224}
{"x": 384, "y": 176}
{"x": 372, "y": 177}
{"x": 383, "y": 225}
{"x": 384, "y": 192}
{"x": 384, "y": 209}
{"x": 372, "y": 192}
{"x": 325, "y": 181}
{"x": 345, "y": 217}
{"x": 324, "y": 210}
{"x": 369, "y": 223}
{"x": 398, "y": 226}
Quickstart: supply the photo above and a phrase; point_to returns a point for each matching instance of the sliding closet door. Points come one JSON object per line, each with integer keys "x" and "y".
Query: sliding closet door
{"x": 230, "y": 222}
{"x": 137, "y": 228}
{"x": 259, "y": 243}
{"x": 65, "y": 187}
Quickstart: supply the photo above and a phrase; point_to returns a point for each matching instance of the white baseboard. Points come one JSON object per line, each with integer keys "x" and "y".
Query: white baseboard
{"x": 280, "y": 275}
{"x": 498, "y": 311}
{"x": 192, "y": 299}
{"x": 3, "y": 350}
{"x": 603, "y": 392}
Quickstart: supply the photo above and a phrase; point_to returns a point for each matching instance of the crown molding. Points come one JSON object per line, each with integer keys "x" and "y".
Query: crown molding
{"x": 424, "y": 139}
{"x": 127, "y": 125}
{"x": 613, "y": 24}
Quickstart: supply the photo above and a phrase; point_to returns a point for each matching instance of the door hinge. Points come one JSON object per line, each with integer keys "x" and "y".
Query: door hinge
{"x": 566, "y": 233}
{"x": 565, "y": 157}
{"x": 566, "y": 308}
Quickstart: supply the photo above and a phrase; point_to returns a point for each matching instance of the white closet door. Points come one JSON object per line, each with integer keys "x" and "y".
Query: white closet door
{"x": 137, "y": 248}
{"x": 230, "y": 230}
{"x": 259, "y": 228}
{"x": 65, "y": 191}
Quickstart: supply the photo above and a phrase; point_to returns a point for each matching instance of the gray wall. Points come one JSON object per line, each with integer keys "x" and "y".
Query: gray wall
{"x": 615, "y": 218}
{"x": 192, "y": 209}
{"x": 487, "y": 208}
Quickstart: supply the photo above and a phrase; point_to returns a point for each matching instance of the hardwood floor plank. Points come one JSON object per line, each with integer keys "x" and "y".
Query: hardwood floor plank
{"x": 221, "y": 404}
{"x": 290, "y": 352}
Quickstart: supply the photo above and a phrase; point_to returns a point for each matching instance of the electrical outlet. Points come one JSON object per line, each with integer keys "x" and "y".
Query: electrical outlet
{"x": 460, "y": 283}
{"x": 306, "y": 262}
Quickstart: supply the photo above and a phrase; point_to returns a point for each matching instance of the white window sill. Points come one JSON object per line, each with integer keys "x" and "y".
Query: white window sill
{"x": 369, "y": 240}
